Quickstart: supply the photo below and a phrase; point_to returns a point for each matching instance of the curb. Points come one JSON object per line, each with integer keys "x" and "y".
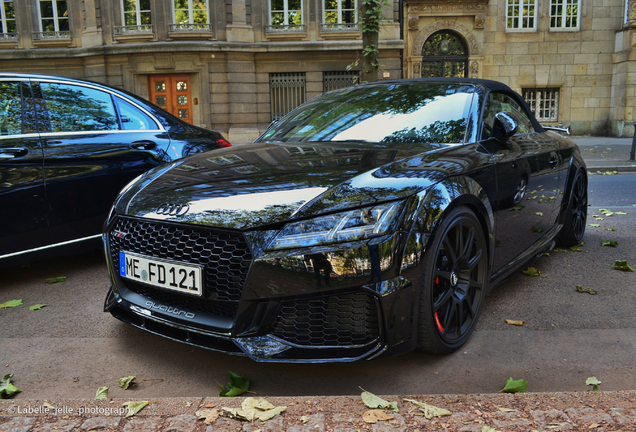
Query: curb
{"x": 573, "y": 411}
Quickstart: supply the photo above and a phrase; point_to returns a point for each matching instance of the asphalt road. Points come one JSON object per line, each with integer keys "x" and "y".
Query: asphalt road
{"x": 70, "y": 347}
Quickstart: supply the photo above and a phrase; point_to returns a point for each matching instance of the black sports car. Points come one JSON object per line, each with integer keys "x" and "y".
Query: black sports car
{"x": 368, "y": 222}
{"x": 67, "y": 147}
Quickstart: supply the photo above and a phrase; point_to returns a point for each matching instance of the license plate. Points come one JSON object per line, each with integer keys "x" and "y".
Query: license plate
{"x": 171, "y": 275}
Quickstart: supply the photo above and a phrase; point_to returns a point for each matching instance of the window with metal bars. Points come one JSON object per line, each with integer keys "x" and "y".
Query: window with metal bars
{"x": 544, "y": 103}
{"x": 287, "y": 91}
{"x": 338, "y": 79}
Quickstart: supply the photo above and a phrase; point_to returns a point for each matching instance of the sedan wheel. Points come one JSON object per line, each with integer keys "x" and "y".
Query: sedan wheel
{"x": 453, "y": 283}
{"x": 576, "y": 214}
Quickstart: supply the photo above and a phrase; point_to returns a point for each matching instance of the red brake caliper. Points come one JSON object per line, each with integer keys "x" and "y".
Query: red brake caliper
{"x": 439, "y": 324}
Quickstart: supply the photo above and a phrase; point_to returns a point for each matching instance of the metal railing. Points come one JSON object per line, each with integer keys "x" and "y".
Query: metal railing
{"x": 190, "y": 28}
{"x": 287, "y": 91}
{"x": 279, "y": 29}
{"x": 132, "y": 30}
{"x": 51, "y": 35}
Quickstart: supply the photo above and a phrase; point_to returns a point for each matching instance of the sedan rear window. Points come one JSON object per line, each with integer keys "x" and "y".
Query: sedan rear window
{"x": 395, "y": 113}
{"x": 76, "y": 108}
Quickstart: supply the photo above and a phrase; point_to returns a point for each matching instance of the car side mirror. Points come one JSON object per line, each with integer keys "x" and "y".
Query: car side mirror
{"x": 505, "y": 127}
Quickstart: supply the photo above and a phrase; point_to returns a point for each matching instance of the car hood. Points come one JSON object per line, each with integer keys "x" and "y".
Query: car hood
{"x": 263, "y": 184}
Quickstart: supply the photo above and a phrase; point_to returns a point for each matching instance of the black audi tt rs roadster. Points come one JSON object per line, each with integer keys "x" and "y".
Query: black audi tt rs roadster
{"x": 366, "y": 223}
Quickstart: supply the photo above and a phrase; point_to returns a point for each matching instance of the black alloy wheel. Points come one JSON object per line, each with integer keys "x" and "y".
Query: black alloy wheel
{"x": 454, "y": 283}
{"x": 576, "y": 213}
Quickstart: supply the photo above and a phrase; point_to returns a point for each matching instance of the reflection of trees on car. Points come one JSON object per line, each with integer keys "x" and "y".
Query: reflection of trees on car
{"x": 78, "y": 109}
{"x": 451, "y": 131}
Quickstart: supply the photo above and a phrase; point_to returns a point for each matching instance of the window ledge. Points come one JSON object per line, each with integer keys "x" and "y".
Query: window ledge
{"x": 136, "y": 33}
{"x": 185, "y": 31}
{"x": 294, "y": 31}
{"x": 52, "y": 39}
{"x": 9, "y": 40}
{"x": 340, "y": 31}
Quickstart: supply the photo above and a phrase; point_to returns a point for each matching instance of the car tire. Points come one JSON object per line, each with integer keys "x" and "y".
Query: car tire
{"x": 453, "y": 283}
{"x": 575, "y": 214}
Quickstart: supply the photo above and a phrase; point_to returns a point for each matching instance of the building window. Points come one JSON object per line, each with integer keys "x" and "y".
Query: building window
{"x": 521, "y": 15}
{"x": 286, "y": 12}
{"x": 7, "y": 20}
{"x": 564, "y": 15}
{"x": 337, "y": 80}
{"x": 136, "y": 18}
{"x": 190, "y": 16}
{"x": 53, "y": 16}
{"x": 544, "y": 103}
{"x": 340, "y": 15}
{"x": 286, "y": 91}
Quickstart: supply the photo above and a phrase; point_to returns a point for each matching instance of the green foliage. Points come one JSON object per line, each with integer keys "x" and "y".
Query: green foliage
{"x": 56, "y": 279}
{"x": 10, "y": 303}
{"x": 519, "y": 386}
{"x": 237, "y": 387}
{"x": 6, "y": 388}
{"x": 622, "y": 265}
{"x": 36, "y": 307}
{"x": 593, "y": 382}
{"x": 102, "y": 393}
{"x": 126, "y": 382}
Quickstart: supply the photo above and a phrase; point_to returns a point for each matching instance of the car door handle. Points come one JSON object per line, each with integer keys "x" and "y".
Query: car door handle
{"x": 144, "y": 145}
{"x": 13, "y": 152}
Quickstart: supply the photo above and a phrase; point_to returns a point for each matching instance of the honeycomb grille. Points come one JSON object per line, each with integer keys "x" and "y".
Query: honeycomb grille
{"x": 338, "y": 320}
{"x": 225, "y": 256}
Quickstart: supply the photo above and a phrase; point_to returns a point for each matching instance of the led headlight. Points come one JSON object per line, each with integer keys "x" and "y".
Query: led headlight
{"x": 352, "y": 225}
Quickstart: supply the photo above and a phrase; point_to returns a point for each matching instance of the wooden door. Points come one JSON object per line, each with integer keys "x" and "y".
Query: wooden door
{"x": 172, "y": 93}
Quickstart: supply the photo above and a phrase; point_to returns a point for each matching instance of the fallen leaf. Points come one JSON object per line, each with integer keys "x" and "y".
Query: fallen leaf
{"x": 506, "y": 409}
{"x": 594, "y": 225}
{"x": 126, "y": 382}
{"x": 237, "y": 387}
{"x": 304, "y": 419}
{"x": 36, "y": 307}
{"x": 519, "y": 386}
{"x": 375, "y": 415}
{"x": 516, "y": 208}
{"x": 593, "y": 382}
{"x": 430, "y": 411}
{"x": 620, "y": 213}
{"x": 10, "y": 303}
{"x": 513, "y": 322}
{"x": 611, "y": 229}
{"x": 253, "y": 409}
{"x": 610, "y": 243}
{"x": 622, "y": 265}
{"x": 372, "y": 401}
{"x": 531, "y": 271}
{"x": 537, "y": 230}
{"x": 49, "y": 406}
{"x": 575, "y": 248}
{"x": 134, "y": 407}
{"x": 580, "y": 289}
{"x": 6, "y": 388}
{"x": 208, "y": 416}
{"x": 102, "y": 393}
{"x": 56, "y": 279}
{"x": 539, "y": 213}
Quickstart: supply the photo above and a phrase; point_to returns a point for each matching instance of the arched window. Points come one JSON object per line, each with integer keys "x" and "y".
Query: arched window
{"x": 444, "y": 54}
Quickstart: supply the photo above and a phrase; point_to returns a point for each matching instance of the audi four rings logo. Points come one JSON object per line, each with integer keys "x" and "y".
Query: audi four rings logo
{"x": 172, "y": 209}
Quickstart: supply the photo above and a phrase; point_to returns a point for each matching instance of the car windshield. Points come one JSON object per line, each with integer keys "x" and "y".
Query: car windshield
{"x": 383, "y": 113}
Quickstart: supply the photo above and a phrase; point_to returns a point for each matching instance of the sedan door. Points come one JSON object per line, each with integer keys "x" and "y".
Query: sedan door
{"x": 23, "y": 216}
{"x": 95, "y": 144}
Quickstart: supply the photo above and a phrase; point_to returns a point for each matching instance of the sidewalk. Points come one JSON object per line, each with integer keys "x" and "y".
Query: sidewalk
{"x": 571, "y": 411}
{"x": 585, "y": 411}
{"x": 606, "y": 153}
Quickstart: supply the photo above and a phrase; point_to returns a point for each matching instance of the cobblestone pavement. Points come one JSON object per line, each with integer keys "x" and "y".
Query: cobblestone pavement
{"x": 586, "y": 411}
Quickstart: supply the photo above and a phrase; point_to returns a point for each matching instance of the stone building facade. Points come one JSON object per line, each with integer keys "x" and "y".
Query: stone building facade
{"x": 573, "y": 60}
{"x": 242, "y": 62}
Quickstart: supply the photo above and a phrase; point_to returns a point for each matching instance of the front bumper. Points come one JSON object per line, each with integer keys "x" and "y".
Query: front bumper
{"x": 348, "y": 303}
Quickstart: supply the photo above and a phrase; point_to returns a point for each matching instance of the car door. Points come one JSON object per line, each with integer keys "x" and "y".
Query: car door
{"x": 525, "y": 183}
{"x": 95, "y": 144}
{"x": 23, "y": 216}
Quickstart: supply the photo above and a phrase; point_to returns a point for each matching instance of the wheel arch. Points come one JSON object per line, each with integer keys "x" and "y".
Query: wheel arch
{"x": 576, "y": 167}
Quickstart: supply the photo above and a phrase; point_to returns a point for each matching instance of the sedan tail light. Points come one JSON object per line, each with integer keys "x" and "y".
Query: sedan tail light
{"x": 223, "y": 143}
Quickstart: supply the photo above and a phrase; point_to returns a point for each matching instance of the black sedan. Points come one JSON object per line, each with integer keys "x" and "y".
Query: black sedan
{"x": 369, "y": 222}
{"x": 67, "y": 148}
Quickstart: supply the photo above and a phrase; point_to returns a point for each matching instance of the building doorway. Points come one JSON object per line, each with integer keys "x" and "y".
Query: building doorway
{"x": 444, "y": 54}
{"x": 172, "y": 93}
